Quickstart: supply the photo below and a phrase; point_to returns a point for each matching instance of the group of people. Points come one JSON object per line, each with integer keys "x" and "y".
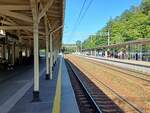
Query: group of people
{"x": 120, "y": 55}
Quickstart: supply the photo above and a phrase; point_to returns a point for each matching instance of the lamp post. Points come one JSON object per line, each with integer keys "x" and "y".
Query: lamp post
{"x": 106, "y": 34}
{"x": 108, "y": 38}
{"x": 81, "y": 46}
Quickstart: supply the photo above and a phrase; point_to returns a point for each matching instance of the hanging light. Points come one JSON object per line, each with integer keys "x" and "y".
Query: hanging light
{"x": 2, "y": 32}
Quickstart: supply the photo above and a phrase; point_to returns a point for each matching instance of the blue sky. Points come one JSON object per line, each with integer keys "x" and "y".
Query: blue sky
{"x": 96, "y": 17}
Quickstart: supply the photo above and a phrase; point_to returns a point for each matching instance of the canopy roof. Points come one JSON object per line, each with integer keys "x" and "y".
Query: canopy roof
{"x": 16, "y": 18}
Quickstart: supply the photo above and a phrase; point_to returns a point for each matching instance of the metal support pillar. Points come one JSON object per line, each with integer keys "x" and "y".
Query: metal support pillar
{"x": 8, "y": 54}
{"x": 51, "y": 56}
{"x": 47, "y": 76}
{"x": 36, "y": 63}
{"x": 13, "y": 54}
{"x": 141, "y": 52}
{"x": 95, "y": 53}
{"x": 4, "y": 56}
{"x": 26, "y": 49}
{"x": 129, "y": 51}
{"x": 55, "y": 56}
{"x": 16, "y": 52}
{"x": 1, "y": 52}
{"x": 36, "y": 51}
{"x": 106, "y": 55}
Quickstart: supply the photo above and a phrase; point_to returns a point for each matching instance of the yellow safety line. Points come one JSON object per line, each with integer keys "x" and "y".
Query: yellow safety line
{"x": 57, "y": 98}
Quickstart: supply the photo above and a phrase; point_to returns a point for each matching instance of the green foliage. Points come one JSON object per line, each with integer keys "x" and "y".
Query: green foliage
{"x": 145, "y": 6}
{"x": 69, "y": 48}
{"x": 133, "y": 24}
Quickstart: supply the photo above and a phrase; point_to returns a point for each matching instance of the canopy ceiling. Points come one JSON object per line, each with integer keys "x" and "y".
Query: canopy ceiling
{"x": 16, "y": 18}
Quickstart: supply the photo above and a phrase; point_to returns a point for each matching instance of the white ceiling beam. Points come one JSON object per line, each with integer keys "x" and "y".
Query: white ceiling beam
{"x": 30, "y": 36}
{"x": 40, "y": 32}
{"x": 10, "y": 20}
{"x": 16, "y": 15}
{"x": 45, "y": 9}
{"x": 15, "y": 7}
{"x": 57, "y": 29}
{"x": 15, "y": 24}
{"x": 54, "y": 16}
{"x": 41, "y": 6}
{"x": 6, "y": 22}
{"x": 54, "y": 12}
{"x": 17, "y": 27}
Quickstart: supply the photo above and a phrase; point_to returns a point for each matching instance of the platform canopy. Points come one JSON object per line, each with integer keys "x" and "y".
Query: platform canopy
{"x": 16, "y": 17}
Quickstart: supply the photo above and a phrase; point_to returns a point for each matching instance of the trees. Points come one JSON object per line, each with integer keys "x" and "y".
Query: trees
{"x": 79, "y": 44}
{"x": 133, "y": 24}
{"x": 145, "y": 6}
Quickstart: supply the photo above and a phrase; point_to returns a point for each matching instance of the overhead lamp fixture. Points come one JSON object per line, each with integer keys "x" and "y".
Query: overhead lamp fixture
{"x": 2, "y": 32}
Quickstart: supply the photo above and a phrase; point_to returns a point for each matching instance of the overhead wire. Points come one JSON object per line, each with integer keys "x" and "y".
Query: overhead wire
{"x": 82, "y": 8}
{"x": 80, "y": 18}
{"x": 87, "y": 8}
{"x": 81, "y": 15}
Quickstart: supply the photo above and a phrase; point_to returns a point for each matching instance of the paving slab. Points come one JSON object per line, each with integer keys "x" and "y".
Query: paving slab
{"x": 68, "y": 100}
{"x": 48, "y": 92}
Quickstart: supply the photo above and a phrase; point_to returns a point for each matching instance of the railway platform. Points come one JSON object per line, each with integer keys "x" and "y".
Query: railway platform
{"x": 56, "y": 95}
{"x": 132, "y": 65}
{"x": 134, "y": 62}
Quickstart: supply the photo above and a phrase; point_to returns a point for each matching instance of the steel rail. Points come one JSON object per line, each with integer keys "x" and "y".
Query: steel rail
{"x": 97, "y": 109}
{"x": 119, "y": 96}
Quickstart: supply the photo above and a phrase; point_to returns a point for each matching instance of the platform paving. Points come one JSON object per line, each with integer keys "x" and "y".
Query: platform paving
{"x": 131, "y": 65}
{"x": 68, "y": 101}
{"x": 8, "y": 74}
{"x": 48, "y": 90}
{"x": 47, "y": 93}
{"x": 13, "y": 82}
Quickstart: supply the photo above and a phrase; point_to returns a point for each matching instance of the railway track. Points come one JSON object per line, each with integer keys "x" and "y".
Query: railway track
{"x": 105, "y": 104}
{"x": 101, "y": 101}
{"x": 85, "y": 102}
{"x": 120, "y": 70}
